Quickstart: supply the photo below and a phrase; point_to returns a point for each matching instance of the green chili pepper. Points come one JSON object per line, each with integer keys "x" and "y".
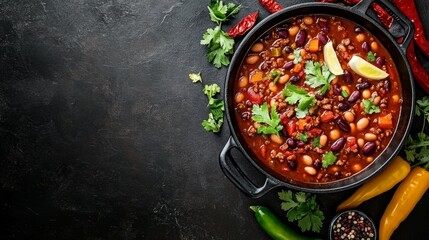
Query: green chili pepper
{"x": 274, "y": 227}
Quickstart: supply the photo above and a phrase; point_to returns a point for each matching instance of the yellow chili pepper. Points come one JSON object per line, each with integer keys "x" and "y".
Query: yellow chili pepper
{"x": 408, "y": 194}
{"x": 387, "y": 179}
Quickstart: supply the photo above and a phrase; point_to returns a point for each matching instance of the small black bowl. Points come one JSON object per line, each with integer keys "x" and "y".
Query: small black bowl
{"x": 353, "y": 222}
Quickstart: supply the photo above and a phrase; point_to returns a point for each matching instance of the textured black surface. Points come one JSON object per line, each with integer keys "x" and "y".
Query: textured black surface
{"x": 100, "y": 127}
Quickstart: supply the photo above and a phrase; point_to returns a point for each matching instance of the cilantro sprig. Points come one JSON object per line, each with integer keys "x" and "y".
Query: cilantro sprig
{"x": 220, "y": 45}
{"x": 294, "y": 95}
{"x": 195, "y": 77}
{"x": 328, "y": 159}
{"x": 220, "y": 12}
{"x": 318, "y": 75}
{"x": 417, "y": 149}
{"x": 369, "y": 107}
{"x": 271, "y": 120}
{"x": 302, "y": 207}
{"x": 297, "y": 54}
{"x": 216, "y": 106}
{"x": 371, "y": 56}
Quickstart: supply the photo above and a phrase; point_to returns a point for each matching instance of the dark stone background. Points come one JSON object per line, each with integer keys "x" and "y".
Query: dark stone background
{"x": 100, "y": 126}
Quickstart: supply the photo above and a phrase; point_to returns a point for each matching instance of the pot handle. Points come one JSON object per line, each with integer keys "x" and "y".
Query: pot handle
{"x": 231, "y": 169}
{"x": 404, "y": 23}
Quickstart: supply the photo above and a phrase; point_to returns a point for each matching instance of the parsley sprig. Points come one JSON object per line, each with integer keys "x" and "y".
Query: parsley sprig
{"x": 294, "y": 95}
{"x": 369, "y": 107}
{"x": 318, "y": 75}
{"x": 271, "y": 120}
{"x": 216, "y": 106}
{"x": 417, "y": 149}
{"x": 220, "y": 45}
{"x": 302, "y": 207}
{"x": 371, "y": 56}
{"x": 297, "y": 54}
{"x": 328, "y": 159}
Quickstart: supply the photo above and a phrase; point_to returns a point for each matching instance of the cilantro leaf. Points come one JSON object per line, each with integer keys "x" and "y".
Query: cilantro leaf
{"x": 318, "y": 76}
{"x": 220, "y": 46}
{"x": 303, "y": 137}
{"x": 371, "y": 56}
{"x": 298, "y": 57}
{"x": 293, "y": 94}
{"x": 219, "y": 12}
{"x": 211, "y": 90}
{"x": 328, "y": 159}
{"x": 302, "y": 207}
{"x": 195, "y": 77}
{"x": 211, "y": 124}
{"x": 344, "y": 93}
{"x": 316, "y": 142}
{"x": 271, "y": 120}
{"x": 276, "y": 75}
{"x": 369, "y": 107}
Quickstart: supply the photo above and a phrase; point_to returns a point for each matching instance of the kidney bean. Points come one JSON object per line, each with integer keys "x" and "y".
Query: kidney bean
{"x": 319, "y": 96}
{"x": 365, "y": 47}
{"x": 348, "y": 77}
{"x": 354, "y": 96}
{"x": 292, "y": 164}
{"x": 369, "y": 148}
{"x": 283, "y": 33}
{"x": 317, "y": 164}
{"x": 300, "y": 38}
{"x": 343, "y": 106}
{"x": 387, "y": 85}
{"x": 322, "y": 38}
{"x": 245, "y": 115}
{"x": 337, "y": 174}
{"x": 336, "y": 89}
{"x": 249, "y": 103}
{"x": 267, "y": 36}
{"x": 343, "y": 125}
{"x": 362, "y": 86}
{"x": 300, "y": 144}
{"x": 337, "y": 145}
{"x": 294, "y": 79}
{"x": 358, "y": 30}
{"x": 288, "y": 65}
{"x": 379, "y": 61}
{"x": 291, "y": 143}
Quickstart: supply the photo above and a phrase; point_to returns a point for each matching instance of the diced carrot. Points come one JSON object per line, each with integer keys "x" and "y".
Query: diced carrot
{"x": 327, "y": 116}
{"x": 313, "y": 45}
{"x": 256, "y": 76}
{"x": 297, "y": 68}
{"x": 301, "y": 124}
{"x": 385, "y": 121}
{"x": 303, "y": 52}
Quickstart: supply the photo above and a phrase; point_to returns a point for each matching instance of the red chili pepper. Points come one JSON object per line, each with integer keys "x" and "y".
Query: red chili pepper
{"x": 244, "y": 25}
{"x": 384, "y": 16}
{"x": 271, "y": 5}
{"x": 408, "y": 8}
{"x": 420, "y": 74}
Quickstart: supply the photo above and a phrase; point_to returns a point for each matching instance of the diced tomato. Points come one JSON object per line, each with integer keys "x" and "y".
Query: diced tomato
{"x": 327, "y": 116}
{"x": 385, "y": 121}
{"x": 253, "y": 97}
{"x": 291, "y": 127}
{"x": 284, "y": 119}
{"x": 351, "y": 141}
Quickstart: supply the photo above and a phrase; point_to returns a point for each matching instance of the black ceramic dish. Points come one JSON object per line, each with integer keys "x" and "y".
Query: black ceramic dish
{"x": 362, "y": 15}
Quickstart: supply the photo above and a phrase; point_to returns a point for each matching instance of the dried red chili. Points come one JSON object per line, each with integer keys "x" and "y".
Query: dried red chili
{"x": 384, "y": 16}
{"x": 271, "y": 5}
{"x": 408, "y": 8}
{"x": 244, "y": 25}
{"x": 420, "y": 74}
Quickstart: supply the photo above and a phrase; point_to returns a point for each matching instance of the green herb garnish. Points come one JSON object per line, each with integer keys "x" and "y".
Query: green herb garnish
{"x": 298, "y": 57}
{"x": 220, "y": 46}
{"x": 195, "y": 77}
{"x": 344, "y": 93}
{"x": 328, "y": 159}
{"x": 370, "y": 107}
{"x": 216, "y": 106}
{"x": 271, "y": 121}
{"x": 302, "y": 207}
{"x": 318, "y": 76}
{"x": 276, "y": 75}
{"x": 293, "y": 95}
{"x": 316, "y": 142}
{"x": 303, "y": 137}
{"x": 220, "y": 12}
{"x": 371, "y": 56}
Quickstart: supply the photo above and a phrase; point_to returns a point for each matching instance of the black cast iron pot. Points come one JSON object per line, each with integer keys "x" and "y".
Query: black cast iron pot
{"x": 362, "y": 15}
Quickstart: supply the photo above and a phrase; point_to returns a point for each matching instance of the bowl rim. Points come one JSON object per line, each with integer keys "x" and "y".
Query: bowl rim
{"x": 331, "y": 225}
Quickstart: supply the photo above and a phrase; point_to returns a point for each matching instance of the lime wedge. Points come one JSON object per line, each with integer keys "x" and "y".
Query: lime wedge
{"x": 366, "y": 69}
{"x": 331, "y": 59}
